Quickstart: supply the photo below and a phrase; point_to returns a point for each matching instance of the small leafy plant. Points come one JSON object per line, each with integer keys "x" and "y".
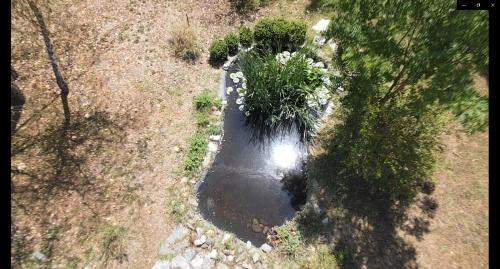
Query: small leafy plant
{"x": 232, "y": 41}
{"x": 218, "y": 52}
{"x": 203, "y": 100}
{"x": 289, "y": 240}
{"x": 196, "y": 153}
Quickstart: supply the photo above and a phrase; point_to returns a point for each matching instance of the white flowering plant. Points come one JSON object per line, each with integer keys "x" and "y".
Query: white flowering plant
{"x": 282, "y": 89}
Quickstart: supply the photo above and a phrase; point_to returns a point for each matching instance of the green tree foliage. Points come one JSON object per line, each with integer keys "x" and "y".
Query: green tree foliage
{"x": 402, "y": 64}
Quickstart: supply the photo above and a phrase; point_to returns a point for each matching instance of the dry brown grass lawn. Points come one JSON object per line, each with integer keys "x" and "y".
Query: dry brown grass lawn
{"x": 131, "y": 103}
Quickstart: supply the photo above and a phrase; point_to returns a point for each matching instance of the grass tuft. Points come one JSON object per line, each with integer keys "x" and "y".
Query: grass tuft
{"x": 185, "y": 44}
{"x": 113, "y": 243}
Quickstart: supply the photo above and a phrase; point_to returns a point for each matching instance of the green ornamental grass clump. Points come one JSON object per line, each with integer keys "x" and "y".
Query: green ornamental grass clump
{"x": 232, "y": 41}
{"x": 218, "y": 52}
{"x": 246, "y": 37}
{"x": 277, "y": 35}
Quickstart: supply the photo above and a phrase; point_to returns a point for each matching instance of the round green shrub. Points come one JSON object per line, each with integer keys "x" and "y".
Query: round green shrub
{"x": 246, "y": 37}
{"x": 277, "y": 35}
{"x": 218, "y": 52}
{"x": 232, "y": 41}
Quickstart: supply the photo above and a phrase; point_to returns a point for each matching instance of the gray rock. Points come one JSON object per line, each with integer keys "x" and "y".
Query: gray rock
{"x": 209, "y": 242}
{"x": 215, "y": 137}
{"x": 193, "y": 202}
{"x": 222, "y": 266}
{"x": 161, "y": 265}
{"x": 173, "y": 248}
{"x": 178, "y": 233}
{"x": 266, "y": 248}
{"x": 255, "y": 257}
{"x": 240, "y": 258}
{"x": 325, "y": 221}
{"x": 208, "y": 263}
{"x": 38, "y": 255}
{"x": 256, "y": 228}
{"x": 197, "y": 262}
{"x": 230, "y": 258}
{"x": 200, "y": 241}
{"x": 212, "y": 147}
{"x": 179, "y": 261}
{"x": 189, "y": 253}
{"x": 213, "y": 254}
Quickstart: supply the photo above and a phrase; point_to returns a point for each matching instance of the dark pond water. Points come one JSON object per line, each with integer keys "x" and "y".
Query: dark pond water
{"x": 252, "y": 178}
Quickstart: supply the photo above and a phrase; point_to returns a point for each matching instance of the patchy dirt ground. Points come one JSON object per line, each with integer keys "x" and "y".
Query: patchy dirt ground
{"x": 131, "y": 104}
{"x": 458, "y": 234}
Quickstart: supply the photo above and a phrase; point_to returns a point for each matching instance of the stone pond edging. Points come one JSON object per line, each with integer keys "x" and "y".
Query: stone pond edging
{"x": 198, "y": 243}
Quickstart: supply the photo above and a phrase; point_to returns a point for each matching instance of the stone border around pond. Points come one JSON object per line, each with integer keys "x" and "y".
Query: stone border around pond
{"x": 200, "y": 244}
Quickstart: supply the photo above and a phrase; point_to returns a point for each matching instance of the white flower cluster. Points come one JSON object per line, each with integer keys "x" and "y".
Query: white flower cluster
{"x": 237, "y": 78}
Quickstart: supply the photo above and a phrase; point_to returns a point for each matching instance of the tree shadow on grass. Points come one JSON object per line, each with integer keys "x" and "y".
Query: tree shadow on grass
{"x": 63, "y": 156}
{"x": 65, "y": 151}
{"x": 363, "y": 229}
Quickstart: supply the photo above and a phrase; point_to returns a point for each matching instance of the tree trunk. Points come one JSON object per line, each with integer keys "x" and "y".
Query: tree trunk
{"x": 63, "y": 86}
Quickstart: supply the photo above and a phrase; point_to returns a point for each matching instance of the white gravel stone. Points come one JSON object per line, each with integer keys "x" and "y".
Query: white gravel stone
{"x": 266, "y": 248}
{"x": 215, "y": 137}
{"x": 213, "y": 254}
{"x": 38, "y": 255}
{"x": 200, "y": 241}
